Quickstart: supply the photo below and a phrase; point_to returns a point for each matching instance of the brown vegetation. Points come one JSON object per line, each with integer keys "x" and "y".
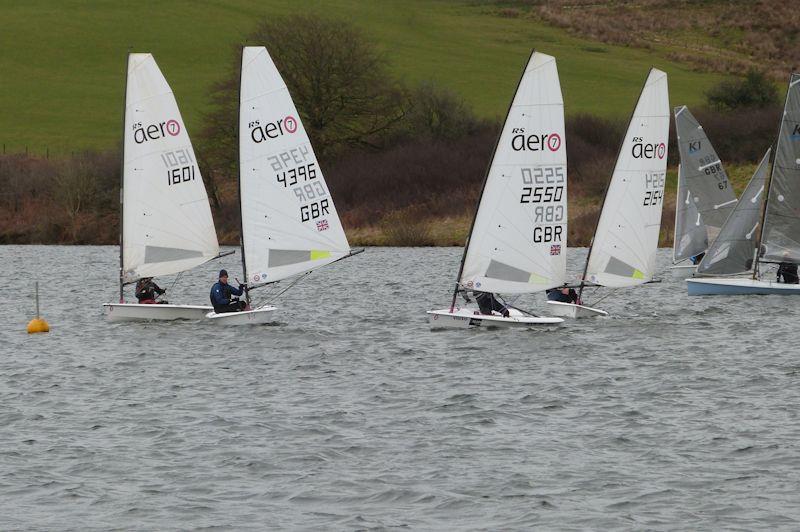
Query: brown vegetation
{"x": 728, "y": 36}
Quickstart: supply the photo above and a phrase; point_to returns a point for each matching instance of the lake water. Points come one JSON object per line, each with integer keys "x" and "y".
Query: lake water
{"x": 349, "y": 413}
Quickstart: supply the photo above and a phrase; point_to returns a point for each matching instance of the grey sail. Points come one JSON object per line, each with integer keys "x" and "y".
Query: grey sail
{"x": 703, "y": 174}
{"x": 782, "y": 218}
{"x": 691, "y": 235}
{"x": 734, "y": 249}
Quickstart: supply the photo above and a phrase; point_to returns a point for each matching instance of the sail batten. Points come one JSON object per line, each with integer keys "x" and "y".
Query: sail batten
{"x": 518, "y": 239}
{"x": 623, "y": 251}
{"x": 289, "y": 221}
{"x": 167, "y": 222}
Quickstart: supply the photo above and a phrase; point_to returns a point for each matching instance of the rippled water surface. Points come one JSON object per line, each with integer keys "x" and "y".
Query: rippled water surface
{"x": 349, "y": 413}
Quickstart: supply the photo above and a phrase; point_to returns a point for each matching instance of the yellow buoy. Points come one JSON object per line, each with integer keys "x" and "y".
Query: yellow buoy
{"x": 37, "y": 324}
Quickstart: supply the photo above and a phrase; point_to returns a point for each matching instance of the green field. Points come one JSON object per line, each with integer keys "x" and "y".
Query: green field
{"x": 62, "y": 61}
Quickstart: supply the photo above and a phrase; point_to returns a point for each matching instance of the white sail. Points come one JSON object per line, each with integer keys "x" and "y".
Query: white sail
{"x": 623, "y": 252}
{"x": 518, "y": 241}
{"x": 289, "y": 223}
{"x": 167, "y": 223}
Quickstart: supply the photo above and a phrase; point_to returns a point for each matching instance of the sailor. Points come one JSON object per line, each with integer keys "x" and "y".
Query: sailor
{"x": 563, "y": 295}
{"x": 788, "y": 270}
{"x": 146, "y": 290}
{"x": 697, "y": 258}
{"x": 487, "y": 302}
{"x": 222, "y": 292}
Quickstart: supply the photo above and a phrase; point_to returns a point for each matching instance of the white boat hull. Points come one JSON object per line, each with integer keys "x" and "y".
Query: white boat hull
{"x": 464, "y": 318}
{"x": 120, "y": 312}
{"x": 246, "y": 317}
{"x": 571, "y": 310}
{"x": 721, "y": 286}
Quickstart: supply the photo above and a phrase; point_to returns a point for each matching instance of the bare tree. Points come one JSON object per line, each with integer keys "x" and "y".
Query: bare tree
{"x": 338, "y": 80}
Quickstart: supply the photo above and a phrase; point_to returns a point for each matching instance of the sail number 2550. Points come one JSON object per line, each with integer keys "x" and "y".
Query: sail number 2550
{"x": 543, "y": 184}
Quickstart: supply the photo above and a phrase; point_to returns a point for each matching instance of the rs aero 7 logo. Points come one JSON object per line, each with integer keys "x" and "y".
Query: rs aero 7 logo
{"x": 644, "y": 150}
{"x": 272, "y": 130}
{"x": 142, "y": 134}
{"x": 535, "y": 142}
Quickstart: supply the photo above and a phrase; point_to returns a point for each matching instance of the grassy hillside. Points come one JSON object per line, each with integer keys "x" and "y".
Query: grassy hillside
{"x": 62, "y": 62}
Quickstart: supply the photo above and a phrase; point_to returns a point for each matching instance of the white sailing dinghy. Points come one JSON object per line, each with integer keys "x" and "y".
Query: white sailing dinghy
{"x": 518, "y": 237}
{"x": 289, "y": 222}
{"x": 767, "y": 235}
{"x": 623, "y": 250}
{"x": 166, "y": 225}
{"x": 705, "y": 195}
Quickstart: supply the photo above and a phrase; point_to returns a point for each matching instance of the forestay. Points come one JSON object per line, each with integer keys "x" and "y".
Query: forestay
{"x": 734, "y": 249}
{"x": 623, "y": 252}
{"x": 167, "y": 223}
{"x": 518, "y": 240}
{"x": 289, "y": 223}
{"x": 782, "y": 223}
{"x": 704, "y": 177}
{"x": 691, "y": 237}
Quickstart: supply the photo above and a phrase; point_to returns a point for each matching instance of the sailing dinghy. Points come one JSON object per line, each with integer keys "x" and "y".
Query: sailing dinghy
{"x": 289, "y": 222}
{"x": 166, "y": 225}
{"x": 518, "y": 237}
{"x": 705, "y": 196}
{"x": 623, "y": 250}
{"x": 768, "y": 230}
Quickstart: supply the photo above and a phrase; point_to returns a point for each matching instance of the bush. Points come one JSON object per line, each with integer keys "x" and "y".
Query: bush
{"x": 755, "y": 90}
{"x": 437, "y": 113}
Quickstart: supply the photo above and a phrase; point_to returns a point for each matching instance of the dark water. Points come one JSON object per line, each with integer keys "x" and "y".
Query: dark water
{"x": 676, "y": 413}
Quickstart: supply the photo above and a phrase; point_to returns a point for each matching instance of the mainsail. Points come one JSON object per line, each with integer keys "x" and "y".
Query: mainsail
{"x": 518, "y": 239}
{"x": 289, "y": 223}
{"x": 623, "y": 252}
{"x": 781, "y": 238}
{"x": 710, "y": 191}
{"x": 691, "y": 236}
{"x": 734, "y": 249}
{"x": 167, "y": 223}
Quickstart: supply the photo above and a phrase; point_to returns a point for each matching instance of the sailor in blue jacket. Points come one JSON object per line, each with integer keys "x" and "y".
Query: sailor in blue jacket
{"x": 222, "y": 292}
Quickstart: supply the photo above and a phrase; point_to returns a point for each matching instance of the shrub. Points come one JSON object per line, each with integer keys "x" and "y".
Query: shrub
{"x": 755, "y": 90}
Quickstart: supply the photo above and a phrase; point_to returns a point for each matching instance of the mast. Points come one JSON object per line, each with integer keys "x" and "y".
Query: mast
{"x": 239, "y": 177}
{"x": 757, "y": 253}
{"x": 485, "y": 180}
{"x": 605, "y": 192}
{"x": 757, "y": 250}
{"x": 122, "y": 178}
{"x": 677, "y": 202}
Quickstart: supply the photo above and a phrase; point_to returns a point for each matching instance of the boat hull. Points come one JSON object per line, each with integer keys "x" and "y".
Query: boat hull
{"x": 462, "y": 318}
{"x": 720, "y": 286}
{"x": 571, "y": 310}
{"x": 682, "y": 270}
{"x": 122, "y": 312}
{"x": 246, "y": 317}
